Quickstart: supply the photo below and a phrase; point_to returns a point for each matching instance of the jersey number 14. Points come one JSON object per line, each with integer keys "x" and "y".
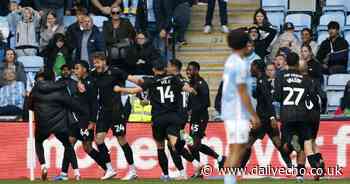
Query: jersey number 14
{"x": 166, "y": 94}
{"x": 292, "y": 92}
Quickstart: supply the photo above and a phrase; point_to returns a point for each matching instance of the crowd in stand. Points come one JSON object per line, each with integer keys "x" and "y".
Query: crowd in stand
{"x": 138, "y": 32}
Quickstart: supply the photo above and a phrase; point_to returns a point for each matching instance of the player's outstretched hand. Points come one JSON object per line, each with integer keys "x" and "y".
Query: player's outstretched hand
{"x": 255, "y": 121}
{"x": 117, "y": 89}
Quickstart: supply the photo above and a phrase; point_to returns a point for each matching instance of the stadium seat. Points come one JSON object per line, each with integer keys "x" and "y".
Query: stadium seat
{"x": 98, "y": 21}
{"x": 336, "y": 5}
{"x": 31, "y": 63}
{"x": 68, "y": 20}
{"x": 337, "y": 82}
{"x": 274, "y": 5}
{"x": 347, "y": 35}
{"x": 333, "y": 98}
{"x": 300, "y": 20}
{"x": 331, "y": 16}
{"x": 276, "y": 19}
{"x": 4, "y": 27}
{"x": 322, "y": 35}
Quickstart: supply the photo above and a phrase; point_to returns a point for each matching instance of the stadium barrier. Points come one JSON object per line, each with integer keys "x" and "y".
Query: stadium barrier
{"x": 15, "y": 151}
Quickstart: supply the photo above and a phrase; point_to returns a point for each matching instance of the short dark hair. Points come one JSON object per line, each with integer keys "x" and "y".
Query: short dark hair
{"x": 238, "y": 39}
{"x": 260, "y": 64}
{"x": 99, "y": 55}
{"x": 333, "y": 25}
{"x": 308, "y": 30}
{"x": 292, "y": 59}
{"x": 195, "y": 64}
{"x": 177, "y": 63}
{"x": 65, "y": 66}
{"x": 84, "y": 64}
{"x": 48, "y": 75}
{"x": 159, "y": 65}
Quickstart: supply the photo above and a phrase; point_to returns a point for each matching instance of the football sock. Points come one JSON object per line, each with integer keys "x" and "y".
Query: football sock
{"x": 208, "y": 151}
{"x": 94, "y": 154}
{"x": 176, "y": 158}
{"x": 299, "y": 168}
{"x": 128, "y": 154}
{"x": 163, "y": 161}
{"x": 104, "y": 152}
{"x": 246, "y": 157}
{"x": 65, "y": 164}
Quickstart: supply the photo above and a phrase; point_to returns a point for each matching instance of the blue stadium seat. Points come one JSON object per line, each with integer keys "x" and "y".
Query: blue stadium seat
{"x": 98, "y": 21}
{"x": 4, "y": 27}
{"x": 31, "y": 63}
{"x": 337, "y": 82}
{"x": 331, "y": 16}
{"x": 336, "y": 5}
{"x": 275, "y": 5}
{"x": 276, "y": 19}
{"x": 69, "y": 20}
{"x": 347, "y": 35}
{"x": 300, "y": 20}
{"x": 333, "y": 100}
{"x": 322, "y": 35}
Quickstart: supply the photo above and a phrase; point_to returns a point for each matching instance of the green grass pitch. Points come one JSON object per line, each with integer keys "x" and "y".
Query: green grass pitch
{"x": 252, "y": 181}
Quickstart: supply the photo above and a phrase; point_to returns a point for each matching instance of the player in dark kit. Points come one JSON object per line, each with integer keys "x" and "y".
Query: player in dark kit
{"x": 163, "y": 90}
{"x": 293, "y": 91}
{"x": 266, "y": 113}
{"x": 52, "y": 106}
{"x": 110, "y": 112}
{"x": 198, "y": 107}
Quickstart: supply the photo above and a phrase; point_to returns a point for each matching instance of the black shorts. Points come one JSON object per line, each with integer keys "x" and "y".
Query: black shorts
{"x": 198, "y": 126}
{"x": 81, "y": 134}
{"x": 301, "y": 129}
{"x": 165, "y": 125}
{"x": 265, "y": 128}
{"x": 114, "y": 121}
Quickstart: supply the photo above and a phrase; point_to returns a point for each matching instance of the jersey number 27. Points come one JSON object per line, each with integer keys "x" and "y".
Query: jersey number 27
{"x": 165, "y": 93}
{"x": 292, "y": 92}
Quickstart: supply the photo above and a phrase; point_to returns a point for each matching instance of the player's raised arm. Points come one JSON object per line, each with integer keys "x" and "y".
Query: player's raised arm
{"x": 189, "y": 89}
{"x": 133, "y": 90}
{"x": 244, "y": 95}
{"x": 135, "y": 79}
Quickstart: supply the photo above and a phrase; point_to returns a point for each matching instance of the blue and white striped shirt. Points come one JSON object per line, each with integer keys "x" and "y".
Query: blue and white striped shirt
{"x": 12, "y": 94}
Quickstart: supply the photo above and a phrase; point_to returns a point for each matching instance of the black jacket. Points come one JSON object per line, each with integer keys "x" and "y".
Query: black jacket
{"x": 263, "y": 95}
{"x": 50, "y": 53}
{"x": 325, "y": 49}
{"x": 73, "y": 32}
{"x": 51, "y": 104}
{"x": 199, "y": 103}
{"x": 88, "y": 99}
{"x": 314, "y": 70}
{"x": 140, "y": 58}
{"x": 162, "y": 11}
{"x": 261, "y": 45}
{"x": 218, "y": 98}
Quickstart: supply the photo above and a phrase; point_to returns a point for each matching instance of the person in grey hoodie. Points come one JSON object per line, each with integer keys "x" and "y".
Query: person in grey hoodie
{"x": 26, "y": 32}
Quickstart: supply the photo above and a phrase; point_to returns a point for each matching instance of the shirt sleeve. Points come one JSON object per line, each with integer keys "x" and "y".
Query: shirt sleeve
{"x": 240, "y": 74}
{"x": 147, "y": 83}
{"x": 120, "y": 74}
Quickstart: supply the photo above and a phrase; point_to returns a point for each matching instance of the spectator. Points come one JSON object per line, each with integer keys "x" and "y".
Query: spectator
{"x": 262, "y": 22}
{"x": 130, "y": 9}
{"x": 75, "y": 30}
{"x": 118, "y": 35}
{"x": 251, "y": 55}
{"x": 52, "y": 27}
{"x": 287, "y": 39}
{"x": 141, "y": 56}
{"x": 13, "y": 18}
{"x": 89, "y": 41}
{"x": 12, "y": 94}
{"x": 333, "y": 52}
{"x": 181, "y": 16}
{"x": 56, "y": 54}
{"x": 11, "y": 62}
{"x": 58, "y": 6}
{"x": 66, "y": 72}
{"x": 306, "y": 38}
{"x": 312, "y": 67}
{"x": 223, "y": 16}
{"x": 104, "y": 7}
{"x": 271, "y": 72}
{"x": 262, "y": 44}
{"x": 26, "y": 37}
{"x": 280, "y": 63}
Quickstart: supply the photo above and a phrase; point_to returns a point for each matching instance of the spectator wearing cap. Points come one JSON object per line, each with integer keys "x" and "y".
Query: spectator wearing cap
{"x": 307, "y": 39}
{"x": 56, "y": 54}
{"x": 119, "y": 35}
{"x": 262, "y": 44}
{"x": 10, "y": 62}
{"x": 89, "y": 41}
{"x": 333, "y": 52}
{"x": 12, "y": 94}
{"x": 141, "y": 55}
{"x": 210, "y": 13}
{"x": 287, "y": 39}
{"x": 104, "y": 7}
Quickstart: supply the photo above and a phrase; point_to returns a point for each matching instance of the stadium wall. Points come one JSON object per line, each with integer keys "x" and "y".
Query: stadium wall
{"x": 334, "y": 141}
